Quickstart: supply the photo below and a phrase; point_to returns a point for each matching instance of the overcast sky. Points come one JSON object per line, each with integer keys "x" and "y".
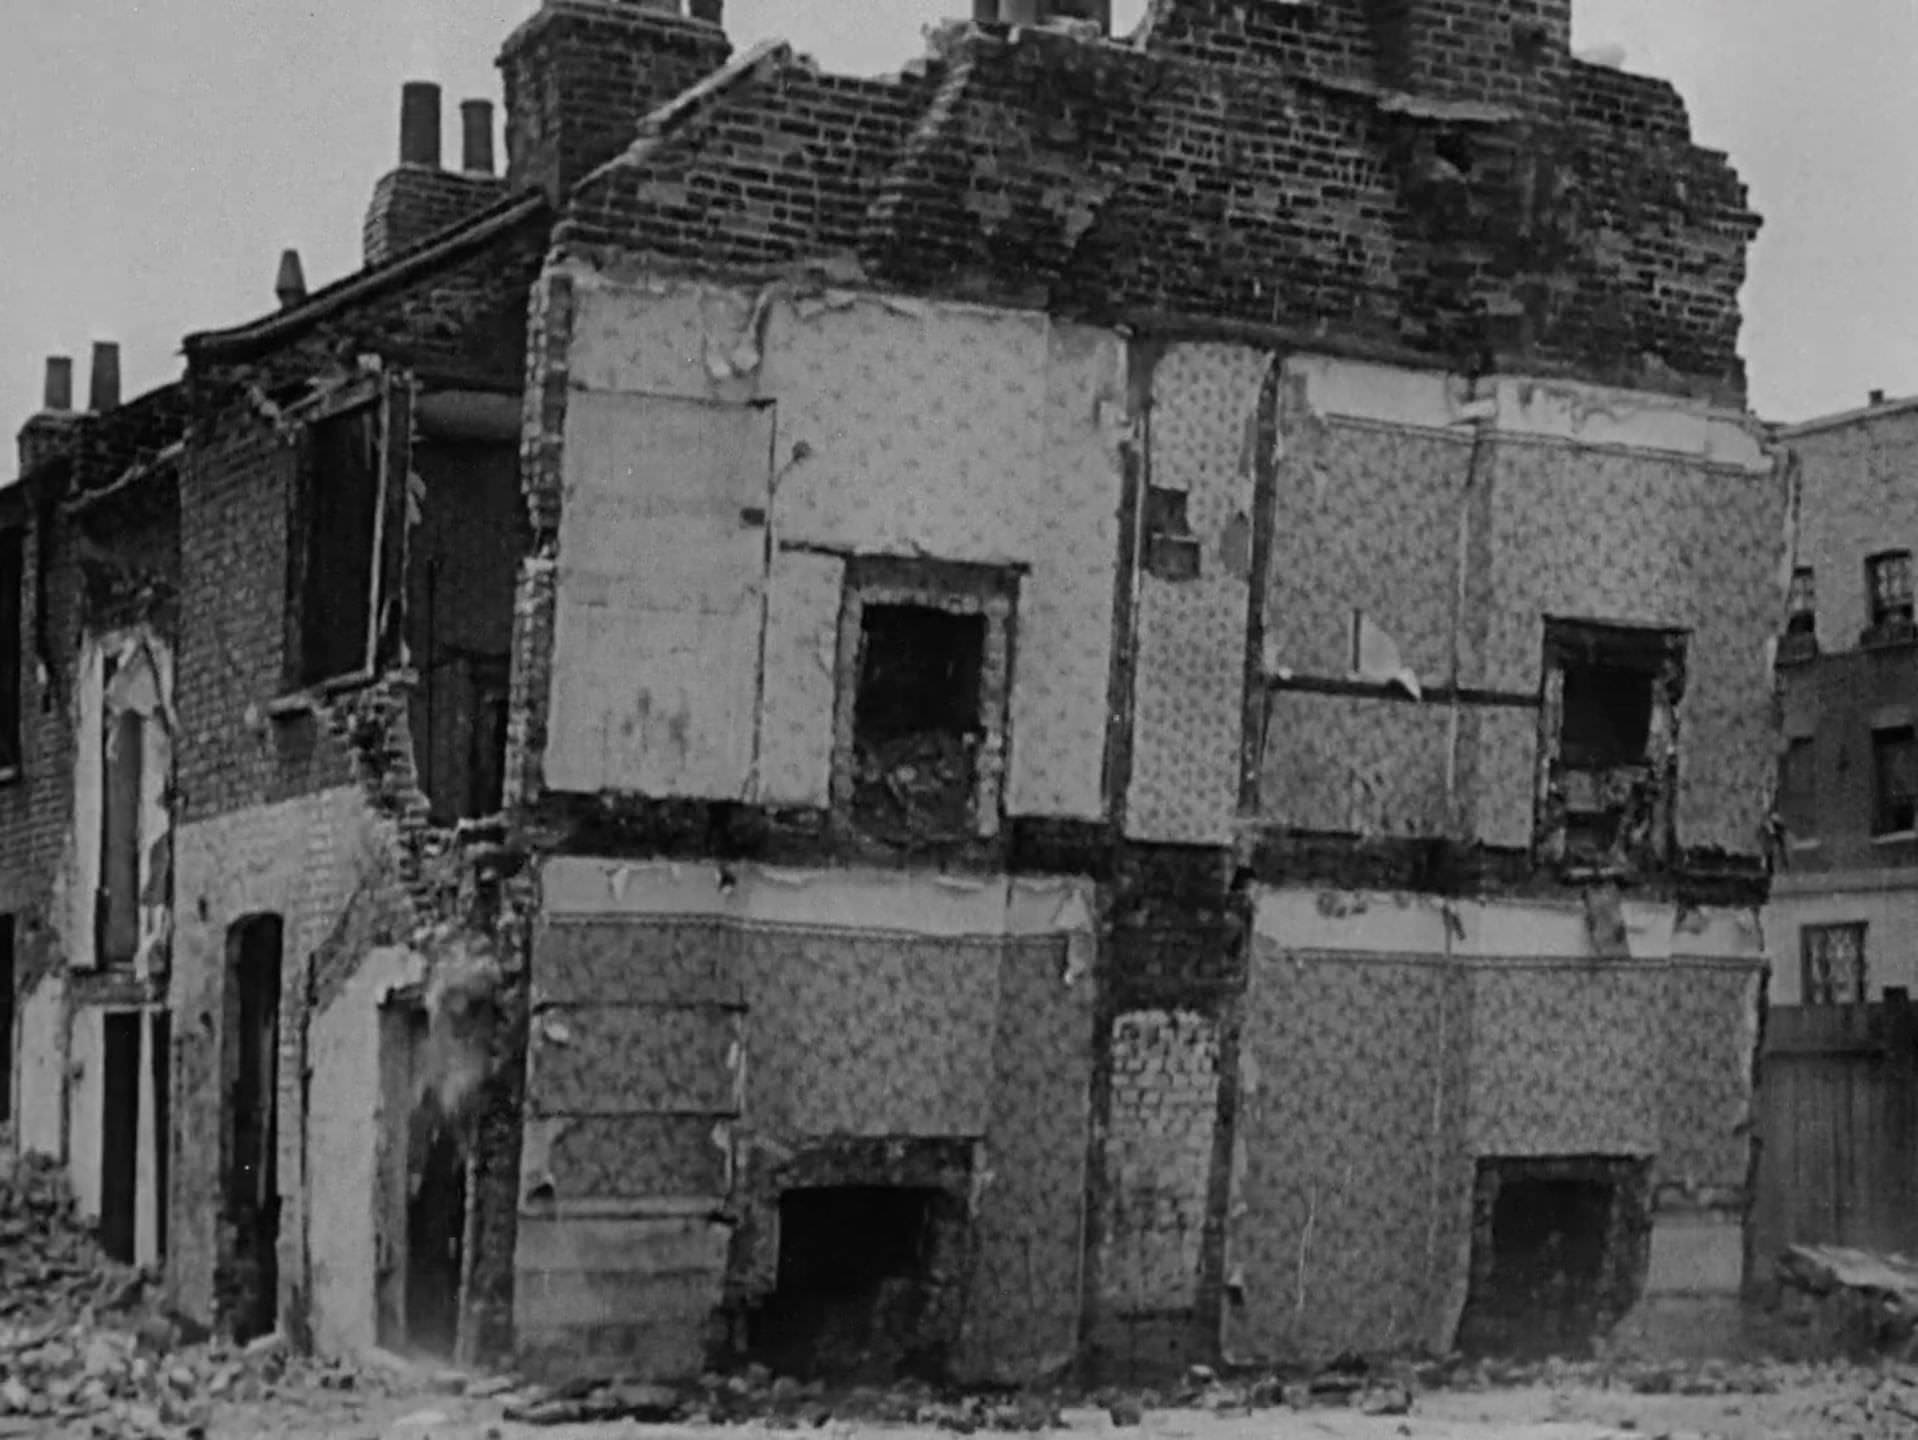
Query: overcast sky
{"x": 157, "y": 155}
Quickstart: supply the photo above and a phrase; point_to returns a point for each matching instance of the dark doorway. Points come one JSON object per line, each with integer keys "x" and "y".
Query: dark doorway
{"x": 252, "y": 1174}
{"x": 421, "y": 1212}
{"x": 160, "y": 1032}
{"x": 1558, "y": 1255}
{"x": 7, "y": 983}
{"x": 120, "y": 1135}
{"x": 435, "y": 1228}
{"x": 852, "y": 1279}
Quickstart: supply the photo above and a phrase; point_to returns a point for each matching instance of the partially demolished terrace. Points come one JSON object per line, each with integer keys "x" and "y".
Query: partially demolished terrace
{"x": 787, "y": 671}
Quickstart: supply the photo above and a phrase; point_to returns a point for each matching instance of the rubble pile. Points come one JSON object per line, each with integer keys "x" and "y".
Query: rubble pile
{"x": 1852, "y": 1303}
{"x": 84, "y": 1345}
{"x": 50, "y": 1265}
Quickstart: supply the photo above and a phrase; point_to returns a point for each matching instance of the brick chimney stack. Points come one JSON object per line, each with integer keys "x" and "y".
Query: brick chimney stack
{"x": 1511, "y": 53}
{"x": 103, "y": 392}
{"x": 476, "y": 137}
{"x": 51, "y": 430}
{"x": 418, "y": 198}
{"x": 581, "y": 74}
{"x": 420, "y": 123}
{"x": 1037, "y": 12}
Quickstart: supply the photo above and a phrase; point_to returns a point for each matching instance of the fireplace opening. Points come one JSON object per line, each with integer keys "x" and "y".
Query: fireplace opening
{"x": 854, "y": 1277}
{"x": 1559, "y": 1250}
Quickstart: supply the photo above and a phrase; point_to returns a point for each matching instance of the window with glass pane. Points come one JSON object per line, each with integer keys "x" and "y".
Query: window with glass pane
{"x": 1833, "y": 957}
{"x": 1888, "y": 576}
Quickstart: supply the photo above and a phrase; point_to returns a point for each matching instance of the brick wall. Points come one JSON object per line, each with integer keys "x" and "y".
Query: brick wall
{"x": 416, "y": 202}
{"x": 466, "y": 320}
{"x": 1239, "y": 167}
{"x": 581, "y": 74}
{"x": 114, "y": 563}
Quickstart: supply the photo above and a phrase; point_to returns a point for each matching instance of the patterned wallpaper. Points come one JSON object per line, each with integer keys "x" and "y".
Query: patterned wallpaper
{"x": 1348, "y": 1173}
{"x": 1367, "y": 517}
{"x": 1023, "y": 1314}
{"x": 1375, "y": 1082}
{"x": 1602, "y": 535}
{"x": 907, "y": 428}
{"x": 1191, "y": 634}
{"x": 660, "y": 1042}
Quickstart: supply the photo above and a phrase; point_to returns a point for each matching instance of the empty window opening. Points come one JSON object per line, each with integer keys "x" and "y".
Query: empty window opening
{"x": 463, "y": 561}
{"x": 855, "y": 1265}
{"x": 8, "y": 981}
{"x": 1607, "y": 720}
{"x": 916, "y": 720}
{"x": 13, "y": 581}
{"x": 1610, "y": 732}
{"x": 1797, "y": 788}
{"x": 117, "y": 904}
{"x": 1558, "y": 1255}
{"x": 340, "y": 542}
{"x": 1801, "y": 616}
{"x": 254, "y": 957}
{"x": 1888, "y": 583}
{"x": 1894, "y": 775}
{"x": 1832, "y": 964}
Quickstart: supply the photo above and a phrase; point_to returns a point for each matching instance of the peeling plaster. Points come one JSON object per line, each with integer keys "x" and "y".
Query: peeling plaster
{"x": 1559, "y": 411}
{"x": 870, "y": 900}
{"x": 901, "y": 428}
{"x": 143, "y": 684}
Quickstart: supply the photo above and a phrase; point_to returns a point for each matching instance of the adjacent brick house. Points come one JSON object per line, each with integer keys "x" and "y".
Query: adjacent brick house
{"x": 1845, "y": 898}
{"x": 1136, "y": 718}
{"x": 89, "y": 563}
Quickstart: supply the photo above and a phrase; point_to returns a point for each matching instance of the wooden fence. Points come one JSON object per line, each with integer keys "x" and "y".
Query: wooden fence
{"x": 1838, "y": 1129}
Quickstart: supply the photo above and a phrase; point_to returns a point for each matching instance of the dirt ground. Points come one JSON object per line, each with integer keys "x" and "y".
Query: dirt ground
{"x": 1810, "y": 1402}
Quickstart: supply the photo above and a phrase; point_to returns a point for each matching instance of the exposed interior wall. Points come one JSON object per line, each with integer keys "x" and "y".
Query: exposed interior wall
{"x": 1190, "y": 647}
{"x": 700, "y": 1033}
{"x": 1158, "y": 1149}
{"x": 142, "y": 670}
{"x": 86, "y": 1109}
{"x": 305, "y": 860}
{"x": 1585, "y": 502}
{"x": 41, "y": 1105}
{"x": 1392, "y": 1042}
{"x": 852, "y": 425}
{"x": 347, "y": 1245}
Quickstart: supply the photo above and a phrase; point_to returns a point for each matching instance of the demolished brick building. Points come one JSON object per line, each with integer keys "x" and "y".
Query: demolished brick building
{"x": 1101, "y": 703}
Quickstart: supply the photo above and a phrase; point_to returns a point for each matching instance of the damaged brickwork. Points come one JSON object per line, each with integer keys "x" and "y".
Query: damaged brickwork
{"x": 1047, "y": 440}
{"x": 428, "y": 878}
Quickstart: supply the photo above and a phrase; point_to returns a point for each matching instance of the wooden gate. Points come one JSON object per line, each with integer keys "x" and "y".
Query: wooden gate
{"x": 1838, "y": 1129}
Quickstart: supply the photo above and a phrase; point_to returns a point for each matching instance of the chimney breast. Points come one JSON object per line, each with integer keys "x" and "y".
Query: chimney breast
{"x": 59, "y": 391}
{"x": 290, "y": 284}
{"x": 104, "y": 394}
{"x": 420, "y": 123}
{"x": 1877, "y": 397}
{"x": 476, "y": 137}
{"x": 1037, "y": 12}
